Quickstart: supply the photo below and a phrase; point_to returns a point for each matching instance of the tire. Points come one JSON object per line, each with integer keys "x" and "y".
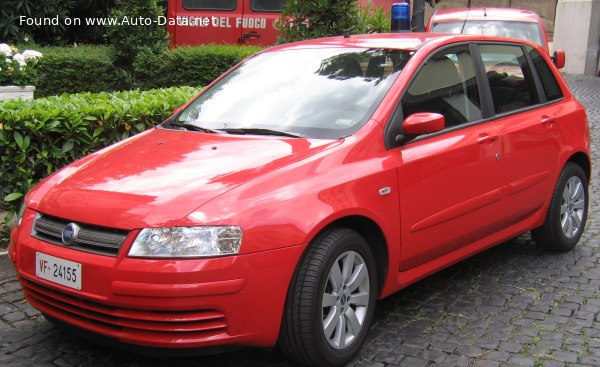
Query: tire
{"x": 567, "y": 213}
{"x": 330, "y": 303}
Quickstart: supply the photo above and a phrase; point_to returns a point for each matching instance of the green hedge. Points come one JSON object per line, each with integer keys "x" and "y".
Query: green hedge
{"x": 90, "y": 68}
{"x": 194, "y": 66}
{"x": 40, "y": 136}
{"x": 74, "y": 70}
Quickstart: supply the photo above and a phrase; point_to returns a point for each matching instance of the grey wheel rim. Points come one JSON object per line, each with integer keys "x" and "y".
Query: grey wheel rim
{"x": 345, "y": 300}
{"x": 572, "y": 207}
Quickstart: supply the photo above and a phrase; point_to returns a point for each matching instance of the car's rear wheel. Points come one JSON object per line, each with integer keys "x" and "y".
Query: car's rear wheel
{"x": 567, "y": 213}
{"x": 330, "y": 302}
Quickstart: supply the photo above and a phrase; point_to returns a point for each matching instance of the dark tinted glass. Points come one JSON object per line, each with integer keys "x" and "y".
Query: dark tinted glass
{"x": 446, "y": 85}
{"x": 511, "y": 81}
{"x": 549, "y": 83}
{"x": 210, "y": 4}
{"x": 267, "y": 5}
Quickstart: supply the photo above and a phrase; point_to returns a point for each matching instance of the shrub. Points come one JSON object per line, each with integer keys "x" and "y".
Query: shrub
{"x": 74, "y": 70}
{"x": 11, "y": 29}
{"x": 39, "y": 136}
{"x": 307, "y": 19}
{"x": 373, "y": 19}
{"x": 90, "y": 69}
{"x": 131, "y": 38}
{"x": 194, "y": 66}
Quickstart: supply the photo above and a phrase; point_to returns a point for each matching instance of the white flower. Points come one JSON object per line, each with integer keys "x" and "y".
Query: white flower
{"x": 5, "y": 49}
{"x": 20, "y": 59}
{"x": 31, "y": 55}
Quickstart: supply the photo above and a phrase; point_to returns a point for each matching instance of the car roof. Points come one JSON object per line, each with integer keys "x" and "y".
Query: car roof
{"x": 399, "y": 41}
{"x": 508, "y": 14}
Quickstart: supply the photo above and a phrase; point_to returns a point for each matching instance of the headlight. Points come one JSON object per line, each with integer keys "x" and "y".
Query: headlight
{"x": 187, "y": 242}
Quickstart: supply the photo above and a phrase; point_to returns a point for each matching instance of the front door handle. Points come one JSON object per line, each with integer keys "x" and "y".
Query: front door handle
{"x": 487, "y": 138}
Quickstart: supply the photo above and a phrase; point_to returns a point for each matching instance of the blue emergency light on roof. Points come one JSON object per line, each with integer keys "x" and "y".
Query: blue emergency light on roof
{"x": 401, "y": 16}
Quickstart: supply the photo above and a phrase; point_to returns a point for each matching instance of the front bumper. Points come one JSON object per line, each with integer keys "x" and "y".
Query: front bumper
{"x": 192, "y": 303}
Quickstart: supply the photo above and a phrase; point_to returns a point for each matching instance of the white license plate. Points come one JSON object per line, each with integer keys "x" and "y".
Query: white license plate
{"x": 56, "y": 270}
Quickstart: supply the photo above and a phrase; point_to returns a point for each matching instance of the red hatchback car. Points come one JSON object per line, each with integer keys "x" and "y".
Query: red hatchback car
{"x": 309, "y": 181}
{"x": 503, "y": 22}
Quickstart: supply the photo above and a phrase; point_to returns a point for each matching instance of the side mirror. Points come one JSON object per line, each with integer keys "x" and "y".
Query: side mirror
{"x": 423, "y": 123}
{"x": 420, "y": 123}
{"x": 559, "y": 58}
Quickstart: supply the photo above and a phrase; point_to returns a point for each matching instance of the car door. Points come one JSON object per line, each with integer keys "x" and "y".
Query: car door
{"x": 528, "y": 125}
{"x": 449, "y": 183}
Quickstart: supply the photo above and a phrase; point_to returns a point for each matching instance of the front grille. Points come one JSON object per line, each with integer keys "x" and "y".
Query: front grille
{"x": 174, "y": 326}
{"x": 95, "y": 239}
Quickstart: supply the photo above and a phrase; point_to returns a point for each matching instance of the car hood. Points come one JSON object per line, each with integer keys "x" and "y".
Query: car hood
{"x": 159, "y": 177}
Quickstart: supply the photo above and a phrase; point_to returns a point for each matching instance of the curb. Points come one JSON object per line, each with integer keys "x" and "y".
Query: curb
{"x": 6, "y": 267}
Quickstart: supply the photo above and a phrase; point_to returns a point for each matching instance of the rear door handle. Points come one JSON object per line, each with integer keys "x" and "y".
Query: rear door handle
{"x": 548, "y": 120}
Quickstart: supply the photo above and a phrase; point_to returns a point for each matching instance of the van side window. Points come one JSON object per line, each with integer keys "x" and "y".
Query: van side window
{"x": 511, "y": 81}
{"x": 549, "y": 82}
{"x": 209, "y": 4}
{"x": 447, "y": 85}
{"x": 267, "y": 5}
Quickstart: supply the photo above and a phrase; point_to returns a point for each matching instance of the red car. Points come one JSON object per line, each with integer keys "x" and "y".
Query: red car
{"x": 503, "y": 22}
{"x": 309, "y": 181}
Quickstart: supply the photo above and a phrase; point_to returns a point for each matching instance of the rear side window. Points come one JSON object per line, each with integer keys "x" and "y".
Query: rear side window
{"x": 447, "y": 85}
{"x": 549, "y": 83}
{"x": 210, "y": 4}
{"x": 267, "y": 5}
{"x": 510, "y": 78}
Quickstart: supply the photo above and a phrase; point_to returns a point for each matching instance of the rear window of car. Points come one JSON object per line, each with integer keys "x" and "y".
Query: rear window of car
{"x": 267, "y": 5}
{"x": 510, "y": 77}
{"x": 549, "y": 83}
{"x": 209, "y": 4}
{"x": 522, "y": 30}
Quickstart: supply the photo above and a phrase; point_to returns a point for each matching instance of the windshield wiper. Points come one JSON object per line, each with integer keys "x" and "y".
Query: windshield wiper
{"x": 260, "y": 131}
{"x": 193, "y": 127}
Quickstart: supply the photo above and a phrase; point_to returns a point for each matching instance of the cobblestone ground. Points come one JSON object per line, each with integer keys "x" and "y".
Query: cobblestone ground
{"x": 513, "y": 305}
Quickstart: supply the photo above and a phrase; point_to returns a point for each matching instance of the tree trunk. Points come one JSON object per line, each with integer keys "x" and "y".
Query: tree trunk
{"x": 417, "y": 22}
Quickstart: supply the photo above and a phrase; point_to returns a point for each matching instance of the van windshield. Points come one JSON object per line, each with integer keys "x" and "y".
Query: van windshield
{"x": 323, "y": 93}
{"x": 522, "y": 30}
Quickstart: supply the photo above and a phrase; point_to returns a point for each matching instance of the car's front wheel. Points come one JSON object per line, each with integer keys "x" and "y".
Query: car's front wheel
{"x": 567, "y": 213}
{"x": 331, "y": 300}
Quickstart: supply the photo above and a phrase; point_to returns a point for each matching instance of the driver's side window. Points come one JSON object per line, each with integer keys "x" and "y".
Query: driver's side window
{"x": 447, "y": 85}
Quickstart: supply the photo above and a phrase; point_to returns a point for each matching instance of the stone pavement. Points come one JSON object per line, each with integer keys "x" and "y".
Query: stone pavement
{"x": 513, "y": 305}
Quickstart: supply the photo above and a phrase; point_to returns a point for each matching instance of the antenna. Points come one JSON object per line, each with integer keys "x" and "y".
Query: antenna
{"x": 465, "y": 21}
{"x": 347, "y": 31}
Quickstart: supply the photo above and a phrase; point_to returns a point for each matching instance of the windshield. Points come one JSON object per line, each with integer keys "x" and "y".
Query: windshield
{"x": 522, "y": 30}
{"x": 323, "y": 93}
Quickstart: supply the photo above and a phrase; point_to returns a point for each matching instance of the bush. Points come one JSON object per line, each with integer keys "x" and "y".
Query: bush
{"x": 74, "y": 70}
{"x": 40, "y": 136}
{"x": 55, "y": 11}
{"x": 373, "y": 19}
{"x": 130, "y": 39}
{"x": 307, "y": 19}
{"x": 90, "y": 69}
{"x": 194, "y": 66}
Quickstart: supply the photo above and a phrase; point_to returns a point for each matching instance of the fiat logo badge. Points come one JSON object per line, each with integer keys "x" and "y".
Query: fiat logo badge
{"x": 69, "y": 234}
